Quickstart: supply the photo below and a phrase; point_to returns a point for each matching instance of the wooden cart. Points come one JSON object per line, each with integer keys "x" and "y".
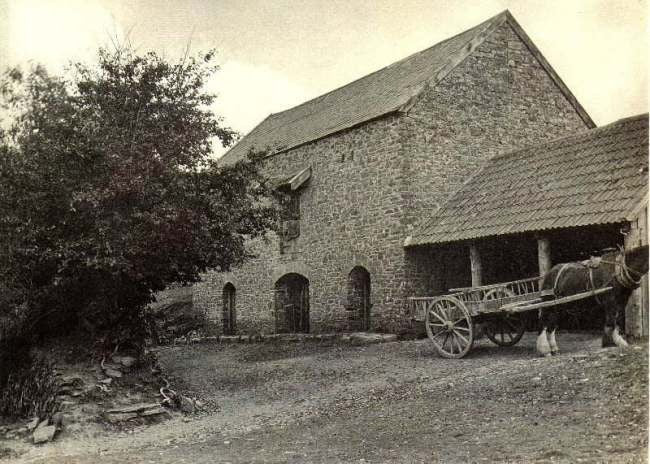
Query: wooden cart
{"x": 450, "y": 320}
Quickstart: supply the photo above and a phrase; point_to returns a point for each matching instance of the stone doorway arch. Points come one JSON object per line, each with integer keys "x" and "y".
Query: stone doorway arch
{"x": 229, "y": 314}
{"x": 358, "y": 303}
{"x": 291, "y": 295}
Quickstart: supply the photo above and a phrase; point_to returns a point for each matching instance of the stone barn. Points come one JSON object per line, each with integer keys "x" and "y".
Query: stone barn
{"x": 527, "y": 209}
{"x": 365, "y": 162}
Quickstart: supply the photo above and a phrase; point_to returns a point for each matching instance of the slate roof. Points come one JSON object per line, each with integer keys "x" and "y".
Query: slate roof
{"x": 388, "y": 90}
{"x": 595, "y": 177}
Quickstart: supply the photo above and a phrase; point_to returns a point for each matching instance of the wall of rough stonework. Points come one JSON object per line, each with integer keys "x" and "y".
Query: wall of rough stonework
{"x": 371, "y": 183}
{"x": 499, "y": 99}
{"x": 350, "y": 213}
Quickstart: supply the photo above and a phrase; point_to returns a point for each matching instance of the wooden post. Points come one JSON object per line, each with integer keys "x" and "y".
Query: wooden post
{"x": 544, "y": 255}
{"x": 636, "y": 311}
{"x": 475, "y": 266}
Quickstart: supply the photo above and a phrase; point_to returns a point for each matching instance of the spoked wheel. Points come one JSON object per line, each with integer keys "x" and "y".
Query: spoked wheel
{"x": 449, "y": 327}
{"x": 504, "y": 330}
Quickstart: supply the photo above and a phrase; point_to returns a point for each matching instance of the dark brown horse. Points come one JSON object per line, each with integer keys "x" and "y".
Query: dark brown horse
{"x": 617, "y": 269}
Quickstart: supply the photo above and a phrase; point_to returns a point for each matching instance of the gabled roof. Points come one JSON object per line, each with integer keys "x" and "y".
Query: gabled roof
{"x": 595, "y": 177}
{"x": 388, "y": 90}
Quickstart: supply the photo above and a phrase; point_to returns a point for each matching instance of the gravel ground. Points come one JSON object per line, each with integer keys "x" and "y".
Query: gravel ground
{"x": 391, "y": 402}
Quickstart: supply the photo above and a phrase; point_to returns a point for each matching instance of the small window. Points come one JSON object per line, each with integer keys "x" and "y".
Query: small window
{"x": 291, "y": 188}
{"x": 293, "y": 207}
{"x": 290, "y": 228}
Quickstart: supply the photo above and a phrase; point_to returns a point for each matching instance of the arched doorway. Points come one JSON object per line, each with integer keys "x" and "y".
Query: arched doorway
{"x": 359, "y": 299}
{"x": 229, "y": 315}
{"x": 292, "y": 303}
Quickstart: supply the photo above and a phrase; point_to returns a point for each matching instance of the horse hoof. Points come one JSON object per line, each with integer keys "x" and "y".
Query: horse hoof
{"x": 555, "y": 353}
{"x": 548, "y": 355}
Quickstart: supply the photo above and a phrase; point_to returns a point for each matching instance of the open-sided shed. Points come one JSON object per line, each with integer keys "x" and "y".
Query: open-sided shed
{"x": 528, "y": 209}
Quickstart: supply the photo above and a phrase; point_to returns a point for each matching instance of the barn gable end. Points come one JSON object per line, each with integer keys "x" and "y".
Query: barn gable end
{"x": 502, "y": 96}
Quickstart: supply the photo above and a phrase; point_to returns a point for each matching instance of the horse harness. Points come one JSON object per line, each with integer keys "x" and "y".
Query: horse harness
{"x": 622, "y": 273}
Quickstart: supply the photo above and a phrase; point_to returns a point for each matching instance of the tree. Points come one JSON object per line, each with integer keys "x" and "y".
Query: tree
{"x": 109, "y": 190}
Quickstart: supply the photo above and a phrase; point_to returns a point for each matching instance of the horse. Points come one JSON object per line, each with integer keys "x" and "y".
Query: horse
{"x": 622, "y": 270}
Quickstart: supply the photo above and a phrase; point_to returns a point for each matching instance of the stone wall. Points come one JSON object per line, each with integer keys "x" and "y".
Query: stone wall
{"x": 371, "y": 184}
{"x": 350, "y": 213}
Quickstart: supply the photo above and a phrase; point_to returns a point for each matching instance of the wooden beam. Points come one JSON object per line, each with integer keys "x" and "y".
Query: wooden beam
{"x": 299, "y": 179}
{"x": 544, "y": 255}
{"x": 636, "y": 310}
{"x": 475, "y": 266}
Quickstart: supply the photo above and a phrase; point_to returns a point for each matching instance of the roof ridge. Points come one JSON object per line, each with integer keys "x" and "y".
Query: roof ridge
{"x": 314, "y": 102}
{"x": 391, "y": 89}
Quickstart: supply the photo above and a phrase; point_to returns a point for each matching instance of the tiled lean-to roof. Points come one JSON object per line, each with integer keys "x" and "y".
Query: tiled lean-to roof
{"x": 595, "y": 177}
{"x": 388, "y": 90}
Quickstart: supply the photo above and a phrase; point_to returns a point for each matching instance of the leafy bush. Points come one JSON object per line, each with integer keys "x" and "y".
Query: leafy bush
{"x": 110, "y": 192}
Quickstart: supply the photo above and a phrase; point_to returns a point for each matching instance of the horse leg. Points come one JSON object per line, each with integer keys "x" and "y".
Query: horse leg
{"x": 543, "y": 346}
{"x": 551, "y": 336}
{"x": 619, "y": 340}
{"x": 610, "y": 324}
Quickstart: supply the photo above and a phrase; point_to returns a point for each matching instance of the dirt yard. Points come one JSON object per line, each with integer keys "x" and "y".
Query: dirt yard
{"x": 393, "y": 402}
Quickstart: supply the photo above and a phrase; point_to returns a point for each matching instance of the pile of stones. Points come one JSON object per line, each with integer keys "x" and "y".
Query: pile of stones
{"x": 38, "y": 430}
{"x": 114, "y": 370}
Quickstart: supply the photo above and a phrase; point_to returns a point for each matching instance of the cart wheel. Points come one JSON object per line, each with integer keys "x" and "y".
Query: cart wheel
{"x": 449, "y": 327}
{"x": 508, "y": 329}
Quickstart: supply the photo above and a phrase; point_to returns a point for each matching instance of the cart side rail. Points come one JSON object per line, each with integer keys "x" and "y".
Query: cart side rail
{"x": 483, "y": 299}
{"x": 494, "y": 291}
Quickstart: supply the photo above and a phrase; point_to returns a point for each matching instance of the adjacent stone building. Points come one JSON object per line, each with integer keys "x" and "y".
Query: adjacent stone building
{"x": 364, "y": 163}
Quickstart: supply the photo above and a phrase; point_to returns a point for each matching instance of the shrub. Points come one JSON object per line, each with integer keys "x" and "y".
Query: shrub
{"x": 30, "y": 390}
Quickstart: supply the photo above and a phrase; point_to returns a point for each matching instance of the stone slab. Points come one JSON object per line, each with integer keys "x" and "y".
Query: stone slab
{"x": 134, "y": 408}
{"x": 44, "y": 434}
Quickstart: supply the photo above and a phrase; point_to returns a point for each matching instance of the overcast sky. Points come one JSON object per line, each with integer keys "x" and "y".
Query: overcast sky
{"x": 276, "y": 54}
